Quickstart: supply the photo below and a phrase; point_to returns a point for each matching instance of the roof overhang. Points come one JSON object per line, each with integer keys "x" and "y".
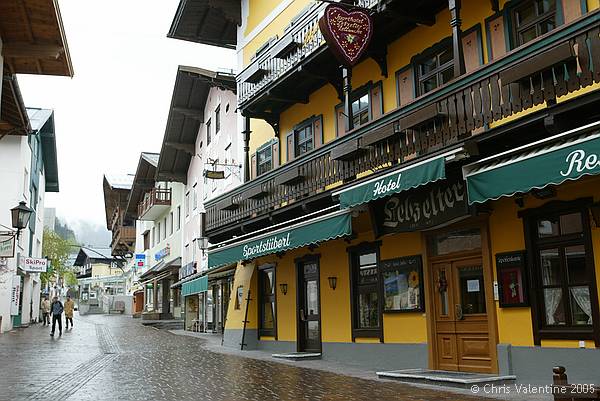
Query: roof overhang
{"x": 186, "y": 114}
{"x": 143, "y": 181}
{"x": 33, "y": 37}
{"x": 42, "y": 122}
{"x": 211, "y": 22}
{"x": 13, "y": 114}
{"x": 115, "y": 195}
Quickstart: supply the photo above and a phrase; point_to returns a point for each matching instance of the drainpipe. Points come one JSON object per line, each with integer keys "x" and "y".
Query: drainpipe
{"x": 246, "y": 133}
{"x": 347, "y": 86}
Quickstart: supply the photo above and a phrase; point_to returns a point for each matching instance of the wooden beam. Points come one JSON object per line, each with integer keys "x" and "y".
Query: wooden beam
{"x": 31, "y": 50}
{"x": 286, "y": 98}
{"x": 191, "y": 113}
{"x": 188, "y": 148}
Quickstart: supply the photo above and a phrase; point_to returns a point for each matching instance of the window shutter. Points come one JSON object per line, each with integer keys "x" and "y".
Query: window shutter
{"x": 571, "y": 10}
{"x": 275, "y": 152}
{"x": 406, "y": 87}
{"x": 340, "y": 120}
{"x": 317, "y": 129}
{"x": 253, "y": 166}
{"x": 497, "y": 38}
{"x": 472, "y": 50}
{"x": 376, "y": 101}
{"x": 291, "y": 153}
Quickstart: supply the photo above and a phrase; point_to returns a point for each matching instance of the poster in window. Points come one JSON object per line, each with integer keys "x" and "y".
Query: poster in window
{"x": 512, "y": 280}
{"x": 403, "y": 284}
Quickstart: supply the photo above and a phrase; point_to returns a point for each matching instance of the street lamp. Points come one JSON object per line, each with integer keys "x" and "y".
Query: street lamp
{"x": 20, "y": 216}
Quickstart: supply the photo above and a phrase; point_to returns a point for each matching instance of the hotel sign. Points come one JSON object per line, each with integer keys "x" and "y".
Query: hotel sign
{"x": 348, "y": 32}
{"x": 429, "y": 206}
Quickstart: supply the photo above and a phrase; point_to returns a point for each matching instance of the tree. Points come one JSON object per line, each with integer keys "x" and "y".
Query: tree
{"x": 57, "y": 250}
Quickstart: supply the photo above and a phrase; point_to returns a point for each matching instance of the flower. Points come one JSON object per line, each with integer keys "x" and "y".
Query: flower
{"x": 413, "y": 279}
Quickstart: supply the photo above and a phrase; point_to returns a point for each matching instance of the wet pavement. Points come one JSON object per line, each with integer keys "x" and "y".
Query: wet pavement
{"x": 116, "y": 358}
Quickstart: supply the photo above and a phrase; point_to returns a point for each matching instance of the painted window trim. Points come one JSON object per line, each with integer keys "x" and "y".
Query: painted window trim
{"x": 262, "y": 332}
{"x": 426, "y": 53}
{"x": 399, "y": 71}
{"x": 261, "y": 148}
{"x": 477, "y": 28}
{"x": 302, "y": 124}
{"x": 509, "y": 23}
{"x": 365, "y": 88}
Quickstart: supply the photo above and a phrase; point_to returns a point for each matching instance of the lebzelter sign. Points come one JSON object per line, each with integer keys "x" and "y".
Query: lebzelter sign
{"x": 33, "y": 265}
{"x": 7, "y": 245}
{"x": 347, "y": 32}
{"x": 429, "y": 206}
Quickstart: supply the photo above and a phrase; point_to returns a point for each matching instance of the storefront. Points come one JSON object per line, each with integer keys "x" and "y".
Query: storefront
{"x": 193, "y": 291}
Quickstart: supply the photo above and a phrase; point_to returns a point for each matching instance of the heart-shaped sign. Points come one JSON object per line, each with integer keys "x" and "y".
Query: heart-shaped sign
{"x": 347, "y": 32}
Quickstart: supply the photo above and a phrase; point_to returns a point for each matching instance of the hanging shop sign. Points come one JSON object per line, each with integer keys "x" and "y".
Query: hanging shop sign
{"x": 347, "y": 32}
{"x": 7, "y": 245}
{"x": 33, "y": 265}
{"x": 403, "y": 284}
{"x": 163, "y": 253}
{"x": 432, "y": 205}
{"x": 15, "y": 295}
{"x": 140, "y": 260}
{"x": 512, "y": 279}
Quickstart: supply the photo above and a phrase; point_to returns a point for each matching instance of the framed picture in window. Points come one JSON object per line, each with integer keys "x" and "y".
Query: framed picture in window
{"x": 403, "y": 284}
{"x": 512, "y": 280}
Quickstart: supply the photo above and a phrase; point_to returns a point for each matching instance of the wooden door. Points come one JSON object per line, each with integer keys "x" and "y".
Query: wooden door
{"x": 461, "y": 316}
{"x": 309, "y": 305}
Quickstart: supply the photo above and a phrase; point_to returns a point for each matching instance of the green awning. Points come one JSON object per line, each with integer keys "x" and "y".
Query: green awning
{"x": 548, "y": 162}
{"x": 399, "y": 180}
{"x": 323, "y": 228}
{"x": 195, "y": 286}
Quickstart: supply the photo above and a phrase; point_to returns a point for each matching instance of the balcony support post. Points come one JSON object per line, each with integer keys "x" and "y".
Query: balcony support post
{"x": 455, "y": 23}
{"x": 347, "y": 85}
{"x": 246, "y": 133}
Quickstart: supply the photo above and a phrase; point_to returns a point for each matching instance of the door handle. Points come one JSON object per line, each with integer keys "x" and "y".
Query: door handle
{"x": 302, "y": 315}
{"x": 459, "y": 312}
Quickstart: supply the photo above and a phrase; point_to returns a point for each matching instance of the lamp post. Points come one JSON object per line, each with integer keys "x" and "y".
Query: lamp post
{"x": 20, "y": 216}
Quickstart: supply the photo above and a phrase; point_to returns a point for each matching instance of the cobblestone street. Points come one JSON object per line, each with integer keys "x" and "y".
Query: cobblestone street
{"x": 116, "y": 358}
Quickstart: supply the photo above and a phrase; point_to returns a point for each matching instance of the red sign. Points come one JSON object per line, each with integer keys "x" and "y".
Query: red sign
{"x": 347, "y": 32}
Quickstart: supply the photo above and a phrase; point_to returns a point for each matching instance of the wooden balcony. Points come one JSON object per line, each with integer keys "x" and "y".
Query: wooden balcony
{"x": 123, "y": 240}
{"x": 545, "y": 69}
{"x": 155, "y": 203}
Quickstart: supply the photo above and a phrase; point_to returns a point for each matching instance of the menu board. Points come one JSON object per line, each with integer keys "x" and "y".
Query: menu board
{"x": 403, "y": 284}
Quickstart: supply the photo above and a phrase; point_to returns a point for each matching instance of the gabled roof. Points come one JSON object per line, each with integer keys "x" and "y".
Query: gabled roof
{"x": 143, "y": 181}
{"x": 33, "y": 37}
{"x": 13, "y": 115}
{"x": 92, "y": 253}
{"x": 212, "y": 22}
{"x": 186, "y": 113}
{"x": 116, "y": 191}
{"x": 42, "y": 124}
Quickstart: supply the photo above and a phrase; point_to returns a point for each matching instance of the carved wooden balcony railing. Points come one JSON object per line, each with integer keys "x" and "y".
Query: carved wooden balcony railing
{"x": 554, "y": 65}
{"x": 155, "y": 197}
{"x": 300, "y": 40}
{"x": 123, "y": 240}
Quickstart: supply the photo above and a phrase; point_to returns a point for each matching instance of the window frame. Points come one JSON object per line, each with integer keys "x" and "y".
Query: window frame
{"x": 358, "y": 94}
{"x": 264, "y": 269}
{"x": 208, "y": 139}
{"x": 267, "y": 146}
{"x": 303, "y": 126}
{"x": 435, "y": 50}
{"x": 516, "y": 31}
{"x": 541, "y": 331}
{"x": 353, "y": 257}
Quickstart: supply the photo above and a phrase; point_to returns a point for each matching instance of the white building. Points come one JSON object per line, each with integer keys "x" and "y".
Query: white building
{"x": 202, "y": 149}
{"x": 28, "y": 170}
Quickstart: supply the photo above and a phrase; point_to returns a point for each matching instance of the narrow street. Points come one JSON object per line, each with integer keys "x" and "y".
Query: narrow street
{"x": 116, "y": 358}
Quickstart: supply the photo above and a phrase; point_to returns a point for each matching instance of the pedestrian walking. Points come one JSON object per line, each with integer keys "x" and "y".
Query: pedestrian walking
{"x": 46, "y": 310}
{"x": 57, "y": 310}
{"x": 69, "y": 307}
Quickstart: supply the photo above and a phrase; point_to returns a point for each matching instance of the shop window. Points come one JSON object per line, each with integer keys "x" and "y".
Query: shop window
{"x": 435, "y": 67}
{"x": 533, "y": 18}
{"x": 565, "y": 302}
{"x": 264, "y": 160}
{"x": 266, "y": 311}
{"x": 366, "y": 299}
{"x": 303, "y": 138}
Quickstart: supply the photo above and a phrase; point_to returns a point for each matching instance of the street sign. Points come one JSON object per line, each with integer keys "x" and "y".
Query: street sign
{"x": 33, "y": 265}
{"x": 7, "y": 245}
{"x": 15, "y": 295}
{"x": 140, "y": 260}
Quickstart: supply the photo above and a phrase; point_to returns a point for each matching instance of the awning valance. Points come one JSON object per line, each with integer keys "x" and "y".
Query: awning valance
{"x": 398, "y": 180}
{"x": 323, "y": 228}
{"x": 552, "y": 161}
{"x": 195, "y": 286}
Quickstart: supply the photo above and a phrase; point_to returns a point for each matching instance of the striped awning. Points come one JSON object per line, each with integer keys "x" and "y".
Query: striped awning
{"x": 195, "y": 286}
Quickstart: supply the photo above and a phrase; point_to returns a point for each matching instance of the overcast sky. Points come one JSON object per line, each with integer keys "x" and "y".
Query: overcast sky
{"x": 116, "y": 105}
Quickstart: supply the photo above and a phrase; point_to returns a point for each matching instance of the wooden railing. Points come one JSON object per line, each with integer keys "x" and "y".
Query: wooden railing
{"x": 554, "y": 65}
{"x": 157, "y": 196}
{"x": 301, "y": 39}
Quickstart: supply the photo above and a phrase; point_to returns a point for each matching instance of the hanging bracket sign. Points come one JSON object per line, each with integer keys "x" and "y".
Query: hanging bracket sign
{"x": 348, "y": 32}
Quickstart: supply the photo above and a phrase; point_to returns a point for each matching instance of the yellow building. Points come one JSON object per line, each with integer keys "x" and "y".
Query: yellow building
{"x": 435, "y": 205}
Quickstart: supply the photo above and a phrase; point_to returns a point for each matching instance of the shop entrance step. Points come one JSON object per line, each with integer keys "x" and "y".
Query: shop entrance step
{"x": 446, "y": 378}
{"x": 298, "y": 356}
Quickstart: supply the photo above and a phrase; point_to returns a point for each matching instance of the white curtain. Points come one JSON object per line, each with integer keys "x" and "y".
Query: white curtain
{"x": 582, "y": 297}
{"x": 552, "y": 297}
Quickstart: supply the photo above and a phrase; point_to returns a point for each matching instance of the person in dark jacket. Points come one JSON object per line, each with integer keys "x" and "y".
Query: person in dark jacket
{"x": 56, "y": 309}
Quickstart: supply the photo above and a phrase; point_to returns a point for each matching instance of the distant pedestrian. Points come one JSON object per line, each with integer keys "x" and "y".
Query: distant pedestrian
{"x": 46, "y": 310}
{"x": 69, "y": 307}
{"x": 57, "y": 310}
